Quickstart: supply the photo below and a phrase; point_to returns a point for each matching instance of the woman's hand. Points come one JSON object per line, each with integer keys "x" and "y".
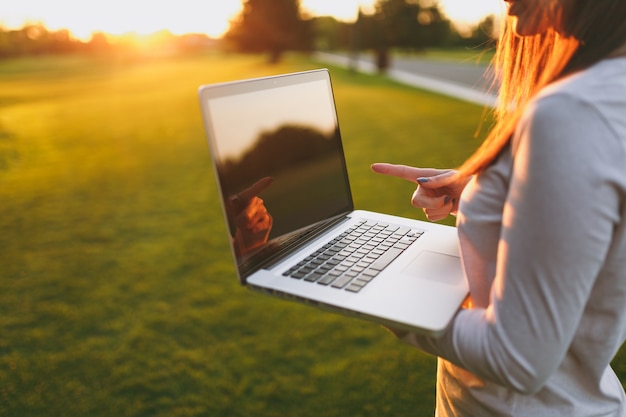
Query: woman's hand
{"x": 254, "y": 224}
{"x": 438, "y": 190}
{"x": 250, "y": 216}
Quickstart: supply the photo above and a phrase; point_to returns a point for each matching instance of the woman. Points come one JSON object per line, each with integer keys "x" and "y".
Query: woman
{"x": 542, "y": 223}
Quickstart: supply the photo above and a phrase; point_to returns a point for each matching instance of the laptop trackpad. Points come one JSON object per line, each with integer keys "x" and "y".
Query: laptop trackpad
{"x": 437, "y": 267}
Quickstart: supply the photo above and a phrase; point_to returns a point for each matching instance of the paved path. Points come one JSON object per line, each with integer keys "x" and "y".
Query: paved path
{"x": 464, "y": 81}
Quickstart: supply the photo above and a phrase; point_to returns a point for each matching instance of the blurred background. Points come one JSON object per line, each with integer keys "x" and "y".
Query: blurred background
{"x": 118, "y": 295}
{"x": 69, "y": 26}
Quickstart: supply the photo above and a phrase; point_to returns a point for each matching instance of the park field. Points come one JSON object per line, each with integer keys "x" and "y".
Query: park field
{"x": 117, "y": 292}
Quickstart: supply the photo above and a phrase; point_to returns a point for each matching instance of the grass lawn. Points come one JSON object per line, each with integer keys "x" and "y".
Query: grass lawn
{"x": 118, "y": 296}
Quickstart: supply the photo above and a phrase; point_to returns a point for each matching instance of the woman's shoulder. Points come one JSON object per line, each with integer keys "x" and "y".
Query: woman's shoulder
{"x": 601, "y": 84}
{"x": 589, "y": 98}
{"x": 584, "y": 111}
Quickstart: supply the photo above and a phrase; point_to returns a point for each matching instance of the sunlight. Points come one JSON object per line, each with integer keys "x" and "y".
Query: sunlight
{"x": 345, "y": 10}
{"x": 120, "y": 16}
{"x": 211, "y": 17}
{"x": 465, "y": 11}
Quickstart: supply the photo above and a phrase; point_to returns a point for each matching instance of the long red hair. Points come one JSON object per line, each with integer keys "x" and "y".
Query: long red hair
{"x": 588, "y": 31}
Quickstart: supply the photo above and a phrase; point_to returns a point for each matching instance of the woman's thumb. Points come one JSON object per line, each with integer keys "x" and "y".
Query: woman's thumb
{"x": 436, "y": 181}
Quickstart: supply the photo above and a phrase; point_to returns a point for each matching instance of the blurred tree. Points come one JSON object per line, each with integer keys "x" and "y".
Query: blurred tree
{"x": 330, "y": 34}
{"x": 35, "y": 39}
{"x": 412, "y": 24}
{"x": 486, "y": 31}
{"x": 483, "y": 35}
{"x": 273, "y": 26}
{"x": 398, "y": 20}
{"x": 274, "y": 151}
{"x": 98, "y": 42}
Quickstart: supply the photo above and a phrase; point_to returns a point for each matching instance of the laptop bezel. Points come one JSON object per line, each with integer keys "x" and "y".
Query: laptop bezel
{"x": 259, "y": 260}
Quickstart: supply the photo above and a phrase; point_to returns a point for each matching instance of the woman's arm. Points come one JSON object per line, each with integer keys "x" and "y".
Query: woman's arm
{"x": 558, "y": 221}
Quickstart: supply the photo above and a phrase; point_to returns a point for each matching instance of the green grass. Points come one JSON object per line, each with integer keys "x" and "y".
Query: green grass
{"x": 117, "y": 293}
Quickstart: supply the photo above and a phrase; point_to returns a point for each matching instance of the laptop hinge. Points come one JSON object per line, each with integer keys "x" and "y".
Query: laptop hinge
{"x": 279, "y": 251}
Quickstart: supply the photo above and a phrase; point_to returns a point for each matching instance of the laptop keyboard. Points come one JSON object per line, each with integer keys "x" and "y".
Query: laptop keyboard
{"x": 353, "y": 259}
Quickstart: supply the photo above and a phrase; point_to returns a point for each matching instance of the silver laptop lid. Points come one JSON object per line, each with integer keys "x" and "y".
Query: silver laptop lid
{"x": 278, "y": 159}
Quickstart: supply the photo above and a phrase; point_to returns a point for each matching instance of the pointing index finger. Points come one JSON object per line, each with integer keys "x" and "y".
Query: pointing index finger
{"x": 255, "y": 189}
{"x": 403, "y": 171}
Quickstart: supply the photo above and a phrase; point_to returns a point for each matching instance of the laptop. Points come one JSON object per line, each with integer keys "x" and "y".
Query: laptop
{"x": 294, "y": 233}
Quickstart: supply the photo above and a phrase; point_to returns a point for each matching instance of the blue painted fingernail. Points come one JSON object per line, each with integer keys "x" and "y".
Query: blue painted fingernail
{"x": 422, "y": 180}
{"x": 446, "y": 200}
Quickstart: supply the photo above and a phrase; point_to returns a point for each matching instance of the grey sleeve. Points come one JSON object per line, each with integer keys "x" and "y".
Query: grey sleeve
{"x": 558, "y": 220}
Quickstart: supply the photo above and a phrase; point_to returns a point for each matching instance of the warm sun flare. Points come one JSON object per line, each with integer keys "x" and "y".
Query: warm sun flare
{"x": 123, "y": 16}
{"x": 186, "y": 16}
{"x": 471, "y": 11}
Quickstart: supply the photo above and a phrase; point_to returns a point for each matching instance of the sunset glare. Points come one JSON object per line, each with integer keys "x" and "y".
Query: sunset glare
{"x": 212, "y": 17}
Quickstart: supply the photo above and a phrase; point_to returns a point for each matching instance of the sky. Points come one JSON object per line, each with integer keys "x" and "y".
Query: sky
{"x": 265, "y": 112}
{"x": 82, "y": 17}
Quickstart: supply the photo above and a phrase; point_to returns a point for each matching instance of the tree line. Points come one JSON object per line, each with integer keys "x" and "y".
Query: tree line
{"x": 36, "y": 39}
{"x": 275, "y": 27}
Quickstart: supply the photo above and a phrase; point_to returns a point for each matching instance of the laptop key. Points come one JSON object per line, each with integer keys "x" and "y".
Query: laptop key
{"x": 356, "y": 257}
{"x": 386, "y": 259}
{"x": 313, "y": 277}
{"x": 327, "y": 279}
{"x": 353, "y": 287}
{"x": 341, "y": 281}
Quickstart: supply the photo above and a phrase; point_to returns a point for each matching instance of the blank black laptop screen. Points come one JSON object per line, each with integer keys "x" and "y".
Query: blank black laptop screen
{"x": 280, "y": 163}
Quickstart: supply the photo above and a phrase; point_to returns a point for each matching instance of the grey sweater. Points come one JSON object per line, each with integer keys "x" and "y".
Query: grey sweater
{"x": 543, "y": 243}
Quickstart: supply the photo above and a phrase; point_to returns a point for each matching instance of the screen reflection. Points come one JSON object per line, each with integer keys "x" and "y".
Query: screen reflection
{"x": 280, "y": 166}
